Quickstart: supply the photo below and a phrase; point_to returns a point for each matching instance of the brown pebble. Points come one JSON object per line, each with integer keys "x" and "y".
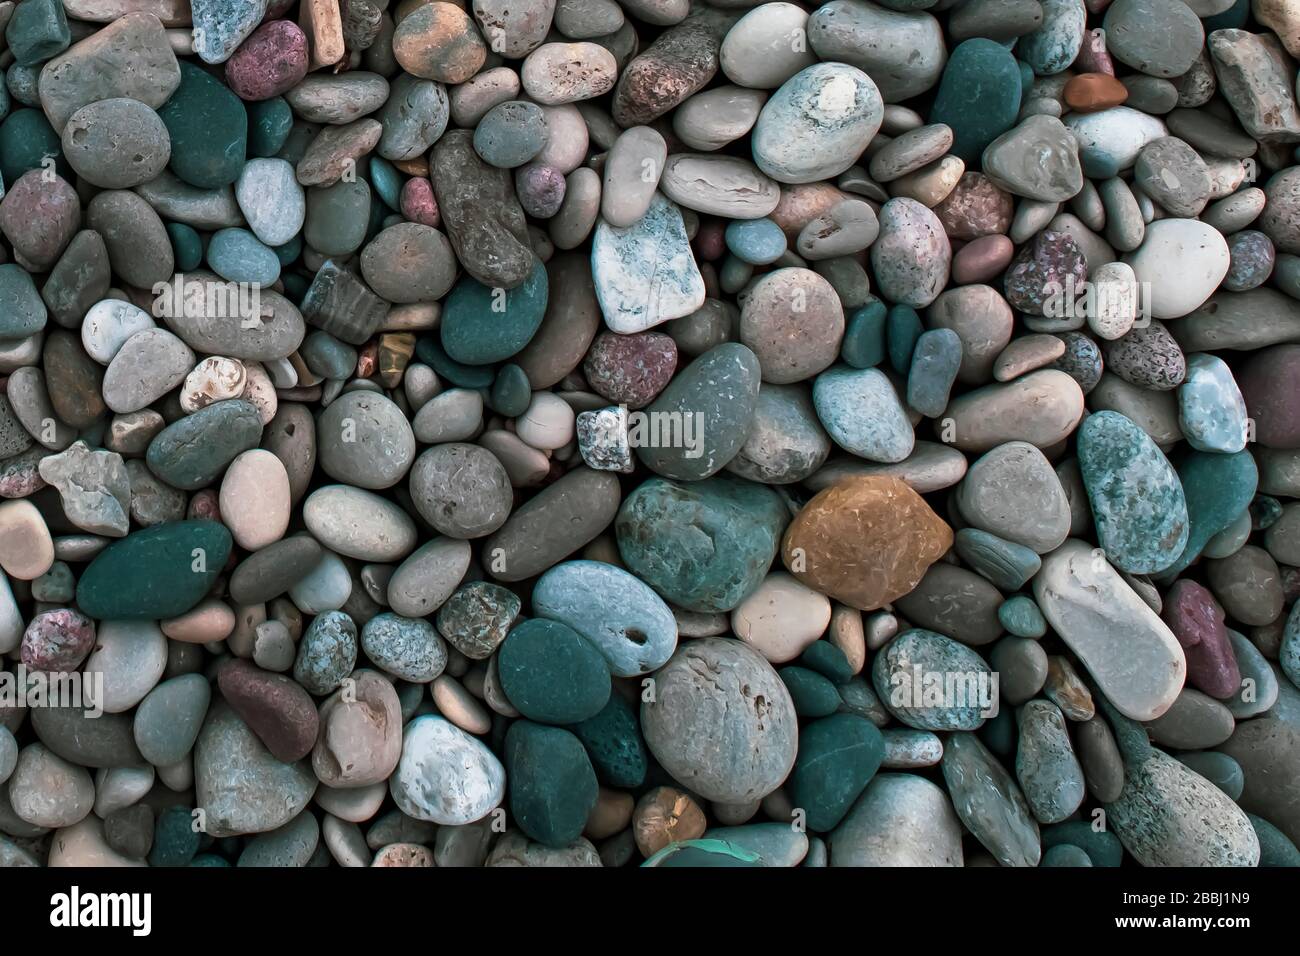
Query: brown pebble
{"x": 1090, "y": 92}
{"x": 982, "y": 259}
{"x": 664, "y": 816}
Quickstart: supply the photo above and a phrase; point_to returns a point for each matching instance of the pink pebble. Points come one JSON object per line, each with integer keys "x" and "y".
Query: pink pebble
{"x": 273, "y": 60}
{"x": 418, "y": 203}
{"x": 982, "y": 259}
{"x": 58, "y": 640}
{"x": 203, "y": 506}
{"x": 1093, "y": 57}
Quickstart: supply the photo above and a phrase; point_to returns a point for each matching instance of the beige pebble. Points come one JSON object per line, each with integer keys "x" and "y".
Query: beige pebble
{"x": 214, "y": 379}
{"x": 211, "y": 620}
{"x": 259, "y": 391}
{"x": 323, "y": 24}
{"x": 83, "y": 844}
{"x": 548, "y": 422}
{"x": 847, "y": 634}
{"x": 403, "y": 854}
{"x": 255, "y": 501}
{"x": 781, "y": 617}
{"x": 460, "y": 706}
{"x": 26, "y": 548}
{"x": 1026, "y": 354}
{"x": 931, "y": 184}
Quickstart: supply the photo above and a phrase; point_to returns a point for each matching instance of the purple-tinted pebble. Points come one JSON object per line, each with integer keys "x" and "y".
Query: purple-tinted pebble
{"x": 39, "y": 215}
{"x": 1043, "y": 268}
{"x": 273, "y": 60}
{"x": 1197, "y": 621}
{"x": 58, "y": 640}
{"x": 541, "y": 189}
{"x": 1252, "y": 260}
{"x": 630, "y": 369}
{"x": 1082, "y": 360}
{"x": 418, "y": 202}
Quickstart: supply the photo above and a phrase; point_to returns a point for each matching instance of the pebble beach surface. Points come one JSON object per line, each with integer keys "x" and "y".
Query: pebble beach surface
{"x": 649, "y": 432}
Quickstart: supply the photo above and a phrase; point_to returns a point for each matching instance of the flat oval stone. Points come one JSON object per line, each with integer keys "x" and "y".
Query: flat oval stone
{"x": 1169, "y": 51}
{"x": 100, "y": 135}
{"x": 552, "y": 674}
{"x": 406, "y": 647}
{"x": 480, "y": 328}
{"x": 195, "y": 450}
{"x": 364, "y": 440}
{"x": 786, "y": 442}
{"x": 169, "y": 718}
{"x": 899, "y": 820}
{"x": 428, "y": 577}
{"x": 618, "y": 614}
{"x": 358, "y": 524}
{"x": 691, "y": 717}
{"x": 445, "y": 775}
{"x": 756, "y": 51}
{"x": 154, "y": 573}
{"x": 209, "y": 130}
{"x": 462, "y": 490}
{"x": 271, "y": 199}
{"x": 277, "y": 709}
{"x": 274, "y": 331}
{"x": 989, "y": 803}
{"x": 719, "y": 185}
{"x": 1012, "y": 492}
{"x": 703, "y": 545}
{"x": 903, "y": 46}
{"x": 793, "y": 322}
{"x": 817, "y": 124}
{"x": 1040, "y": 408}
{"x": 1048, "y": 771}
{"x": 979, "y": 96}
{"x": 131, "y": 656}
{"x": 1137, "y": 500}
{"x": 1130, "y": 653}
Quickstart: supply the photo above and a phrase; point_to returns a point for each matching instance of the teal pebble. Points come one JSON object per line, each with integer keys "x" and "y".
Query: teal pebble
{"x": 482, "y": 325}
{"x": 1220, "y": 769}
{"x": 828, "y": 660}
{"x": 838, "y": 756}
{"x": 813, "y": 694}
{"x": 1217, "y": 489}
{"x": 238, "y": 256}
{"x": 758, "y": 242}
{"x": 23, "y": 83}
{"x": 1275, "y": 847}
{"x": 37, "y": 31}
{"x": 614, "y": 744}
{"x": 1234, "y": 18}
{"x": 1006, "y": 564}
{"x": 209, "y": 859}
{"x": 269, "y": 123}
{"x": 703, "y": 853}
{"x": 22, "y": 312}
{"x": 187, "y": 246}
{"x": 551, "y": 674}
{"x": 289, "y": 252}
{"x": 1055, "y": 45}
{"x": 1211, "y": 412}
{"x": 6, "y": 102}
{"x": 175, "y": 841}
{"x": 295, "y": 286}
{"x": 511, "y": 392}
{"x": 510, "y": 134}
{"x": 208, "y": 127}
{"x": 1264, "y": 512}
{"x": 387, "y": 181}
{"x": 734, "y": 274}
{"x": 999, "y": 733}
{"x": 1102, "y": 846}
{"x": 935, "y": 362}
{"x": 1065, "y": 854}
{"x": 979, "y": 96}
{"x": 864, "y": 336}
{"x": 552, "y": 785}
{"x": 193, "y": 451}
{"x": 902, "y": 330}
{"x": 327, "y": 357}
{"x": 429, "y": 351}
{"x": 1021, "y": 616}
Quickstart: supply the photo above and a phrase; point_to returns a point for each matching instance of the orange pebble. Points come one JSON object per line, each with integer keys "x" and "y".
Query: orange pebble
{"x": 1089, "y": 92}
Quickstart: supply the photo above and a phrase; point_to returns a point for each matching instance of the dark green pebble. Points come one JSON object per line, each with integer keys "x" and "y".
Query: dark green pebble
{"x": 1065, "y": 855}
{"x": 193, "y": 452}
{"x": 978, "y": 97}
{"x": 1275, "y": 847}
{"x": 429, "y": 351}
{"x": 552, "y": 785}
{"x": 550, "y": 673}
{"x": 209, "y": 859}
{"x": 155, "y": 573}
{"x": 26, "y": 138}
{"x": 998, "y": 733}
{"x": 902, "y": 328}
{"x": 327, "y": 356}
{"x": 187, "y": 246}
{"x": 481, "y": 325}
{"x": 295, "y": 286}
{"x": 208, "y": 127}
{"x": 614, "y": 744}
{"x": 288, "y": 253}
{"x": 511, "y": 392}
{"x": 828, "y": 660}
{"x": 175, "y": 841}
{"x": 1264, "y": 511}
{"x": 37, "y": 31}
{"x": 838, "y": 756}
{"x": 1234, "y": 18}
{"x": 864, "y": 336}
{"x": 813, "y": 694}
{"x": 269, "y": 122}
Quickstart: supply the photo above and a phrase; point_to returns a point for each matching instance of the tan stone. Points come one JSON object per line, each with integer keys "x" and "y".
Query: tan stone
{"x": 255, "y": 501}
{"x": 781, "y": 617}
{"x": 26, "y": 548}
{"x": 865, "y": 541}
{"x": 211, "y": 620}
{"x": 323, "y": 24}
{"x": 612, "y": 814}
{"x": 663, "y": 816}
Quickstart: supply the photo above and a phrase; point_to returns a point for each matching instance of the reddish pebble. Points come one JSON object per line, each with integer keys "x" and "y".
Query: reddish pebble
{"x": 39, "y": 216}
{"x": 273, "y": 60}
{"x": 58, "y": 640}
{"x": 1197, "y": 621}
{"x": 710, "y": 242}
{"x": 418, "y": 203}
{"x": 204, "y": 505}
{"x": 1093, "y": 56}
{"x": 982, "y": 259}
{"x": 274, "y": 706}
{"x": 630, "y": 369}
{"x": 1090, "y": 92}
{"x": 975, "y": 208}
